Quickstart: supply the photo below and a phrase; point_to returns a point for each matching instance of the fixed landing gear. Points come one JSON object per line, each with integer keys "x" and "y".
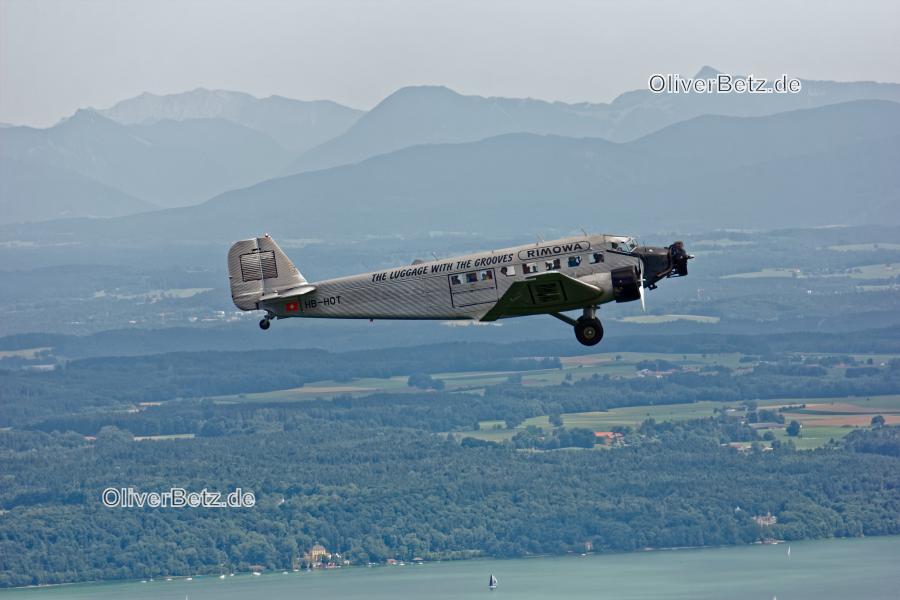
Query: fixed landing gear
{"x": 588, "y": 331}
{"x": 265, "y": 323}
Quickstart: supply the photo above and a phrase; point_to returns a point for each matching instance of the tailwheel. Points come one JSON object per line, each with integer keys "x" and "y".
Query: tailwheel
{"x": 589, "y": 331}
{"x": 264, "y": 324}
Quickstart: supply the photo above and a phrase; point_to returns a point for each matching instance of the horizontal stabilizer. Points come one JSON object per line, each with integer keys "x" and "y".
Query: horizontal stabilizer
{"x": 289, "y": 293}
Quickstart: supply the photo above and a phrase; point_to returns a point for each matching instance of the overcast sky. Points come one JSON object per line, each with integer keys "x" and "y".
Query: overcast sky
{"x": 59, "y": 55}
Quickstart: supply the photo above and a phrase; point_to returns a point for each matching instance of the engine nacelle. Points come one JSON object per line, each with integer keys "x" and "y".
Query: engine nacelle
{"x": 626, "y": 283}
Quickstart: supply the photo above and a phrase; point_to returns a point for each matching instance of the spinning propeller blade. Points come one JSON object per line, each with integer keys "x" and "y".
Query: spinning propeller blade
{"x": 641, "y": 289}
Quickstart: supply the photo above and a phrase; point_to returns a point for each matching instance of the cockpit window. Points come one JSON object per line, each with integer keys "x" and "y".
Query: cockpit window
{"x": 623, "y": 245}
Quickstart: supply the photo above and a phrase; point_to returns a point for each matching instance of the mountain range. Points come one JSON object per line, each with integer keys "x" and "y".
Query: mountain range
{"x": 432, "y": 115}
{"x": 156, "y": 151}
{"x": 296, "y": 125}
{"x": 822, "y": 166}
{"x": 182, "y": 149}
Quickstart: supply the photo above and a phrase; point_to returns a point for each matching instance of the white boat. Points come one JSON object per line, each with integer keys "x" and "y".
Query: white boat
{"x": 492, "y": 582}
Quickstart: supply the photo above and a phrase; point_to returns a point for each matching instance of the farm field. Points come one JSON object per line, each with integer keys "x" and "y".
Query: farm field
{"x": 656, "y": 319}
{"x": 879, "y": 271}
{"x": 823, "y": 419}
{"x": 865, "y": 247}
{"x": 574, "y": 368}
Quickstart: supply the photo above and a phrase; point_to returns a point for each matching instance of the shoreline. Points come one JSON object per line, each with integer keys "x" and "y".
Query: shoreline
{"x": 648, "y": 550}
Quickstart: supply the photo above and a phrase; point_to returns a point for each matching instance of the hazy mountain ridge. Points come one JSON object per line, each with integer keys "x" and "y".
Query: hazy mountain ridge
{"x": 33, "y": 191}
{"x": 164, "y": 150}
{"x": 295, "y": 124}
{"x": 185, "y": 148}
{"x": 434, "y": 114}
{"x": 527, "y": 182}
{"x": 167, "y": 163}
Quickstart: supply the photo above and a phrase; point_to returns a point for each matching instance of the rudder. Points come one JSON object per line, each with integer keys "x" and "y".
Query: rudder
{"x": 258, "y": 267}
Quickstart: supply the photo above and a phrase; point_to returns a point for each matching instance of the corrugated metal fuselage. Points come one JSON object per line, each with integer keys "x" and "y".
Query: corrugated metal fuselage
{"x": 463, "y": 287}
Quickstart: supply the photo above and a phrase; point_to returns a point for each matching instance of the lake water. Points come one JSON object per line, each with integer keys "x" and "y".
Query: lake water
{"x": 858, "y": 569}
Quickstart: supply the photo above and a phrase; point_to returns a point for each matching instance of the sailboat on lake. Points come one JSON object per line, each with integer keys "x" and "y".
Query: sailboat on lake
{"x": 492, "y": 582}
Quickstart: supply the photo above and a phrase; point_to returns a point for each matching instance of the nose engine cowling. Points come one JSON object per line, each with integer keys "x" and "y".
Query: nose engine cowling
{"x": 660, "y": 262}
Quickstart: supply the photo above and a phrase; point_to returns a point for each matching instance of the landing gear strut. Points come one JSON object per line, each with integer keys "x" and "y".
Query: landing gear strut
{"x": 264, "y": 324}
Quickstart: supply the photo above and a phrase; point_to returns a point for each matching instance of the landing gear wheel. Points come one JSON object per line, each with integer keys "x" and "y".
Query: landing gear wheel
{"x": 589, "y": 331}
{"x": 264, "y": 324}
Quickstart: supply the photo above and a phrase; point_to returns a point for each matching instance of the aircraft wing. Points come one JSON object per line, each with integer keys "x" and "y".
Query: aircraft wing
{"x": 544, "y": 293}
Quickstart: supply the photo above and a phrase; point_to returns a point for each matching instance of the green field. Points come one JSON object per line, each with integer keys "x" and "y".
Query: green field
{"x": 154, "y": 295}
{"x": 883, "y": 271}
{"x": 887, "y": 403}
{"x": 631, "y": 416}
{"x": 574, "y": 368}
{"x": 879, "y": 271}
{"x": 656, "y": 319}
{"x": 722, "y": 243}
{"x": 768, "y": 272}
{"x": 813, "y": 436}
{"x": 26, "y": 353}
{"x": 865, "y": 247}
{"x": 157, "y": 438}
{"x": 834, "y": 418}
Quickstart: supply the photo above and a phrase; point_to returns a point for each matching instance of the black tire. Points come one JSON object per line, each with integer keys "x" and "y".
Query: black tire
{"x": 589, "y": 331}
{"x": 264, "y": 324}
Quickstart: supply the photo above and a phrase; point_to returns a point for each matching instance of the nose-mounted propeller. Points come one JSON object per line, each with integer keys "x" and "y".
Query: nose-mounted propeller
{"x": 641, "y": 287}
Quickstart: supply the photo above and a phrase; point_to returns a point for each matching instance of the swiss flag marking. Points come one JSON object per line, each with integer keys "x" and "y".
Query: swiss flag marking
{"x": 292, "y": 306}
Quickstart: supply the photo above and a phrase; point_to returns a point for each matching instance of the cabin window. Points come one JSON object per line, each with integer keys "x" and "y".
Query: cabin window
{"x": 552, "y": 265}
{"x": 472, "y": 277}
{"x": 455, "y": 280}
{"x": 487, "y": 275}
{"x": 574, "y": 261}
{"x": 529, "y": 268}
{"x": 596, "y": 257}
{"x": 508, "y": 271}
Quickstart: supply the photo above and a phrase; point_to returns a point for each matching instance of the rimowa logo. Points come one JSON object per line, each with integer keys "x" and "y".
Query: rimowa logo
{"x": 553, "y": 250}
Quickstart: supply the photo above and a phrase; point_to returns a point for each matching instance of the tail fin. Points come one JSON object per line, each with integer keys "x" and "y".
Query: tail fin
{"x": 258, "y": 267}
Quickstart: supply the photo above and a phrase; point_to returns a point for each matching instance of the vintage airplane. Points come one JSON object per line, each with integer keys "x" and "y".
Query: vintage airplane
{"x": 577, "y": 273}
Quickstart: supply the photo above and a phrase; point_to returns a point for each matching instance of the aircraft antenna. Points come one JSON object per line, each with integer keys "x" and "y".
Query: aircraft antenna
{"x": 435, "y": 256}
{"x": 584, "y": 232}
